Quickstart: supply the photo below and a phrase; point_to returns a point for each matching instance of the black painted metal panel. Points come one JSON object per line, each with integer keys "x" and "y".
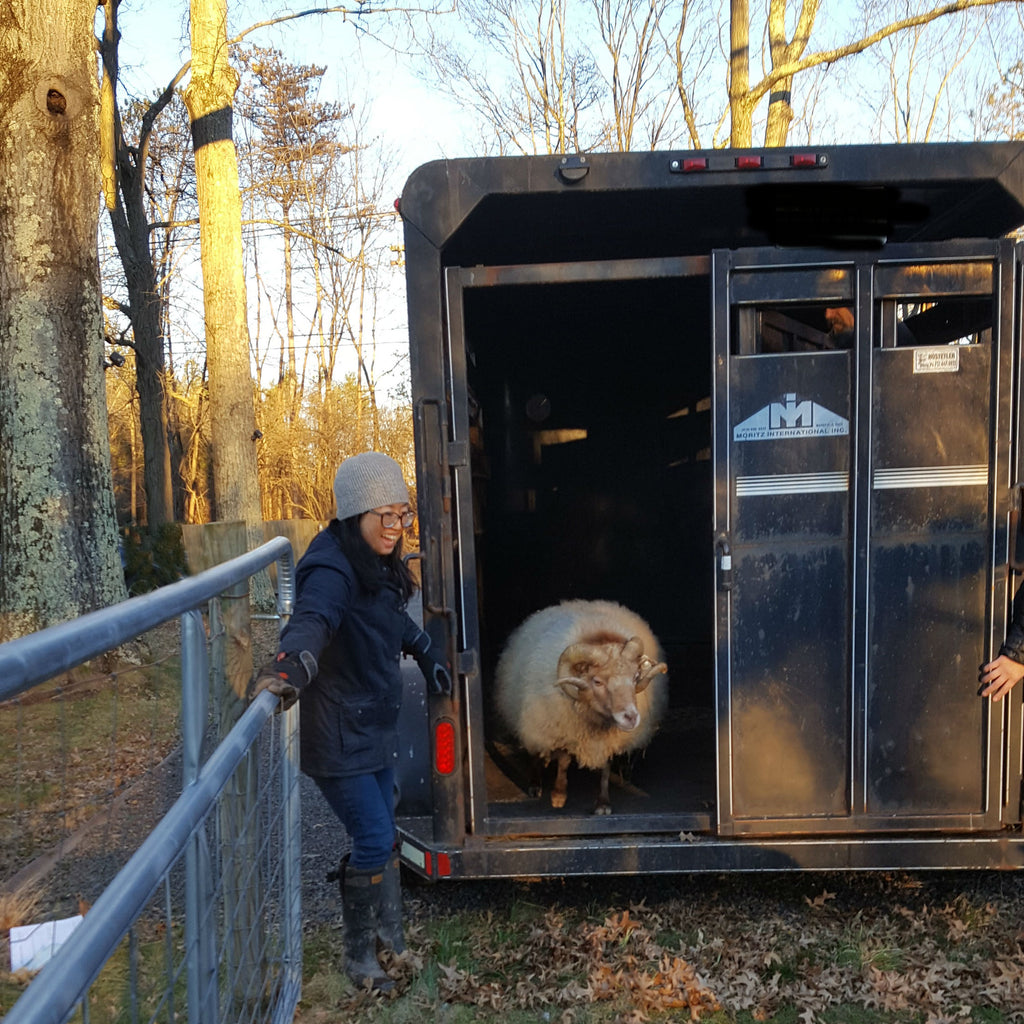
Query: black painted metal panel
{"x": 929, "y": 570}
{"x": 790, "y": 455}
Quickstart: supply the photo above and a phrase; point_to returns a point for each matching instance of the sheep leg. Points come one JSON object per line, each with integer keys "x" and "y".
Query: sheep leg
{"x": 536, "y": 783}
{"x": 561, "y": 779}
{"x": 604, "y": 803}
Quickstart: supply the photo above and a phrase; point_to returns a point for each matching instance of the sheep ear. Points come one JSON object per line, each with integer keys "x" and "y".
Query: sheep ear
{"x": 573, "y": 687}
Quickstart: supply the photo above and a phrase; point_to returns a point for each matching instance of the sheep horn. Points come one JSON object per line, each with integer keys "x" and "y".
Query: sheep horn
{"x": 571, "y": 686}
{"x": 633, "y": 648}
{"x": 575, "y": 654}
{"x": 646, "y": 670}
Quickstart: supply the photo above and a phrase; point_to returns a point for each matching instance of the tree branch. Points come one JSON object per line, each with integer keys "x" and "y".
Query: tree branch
{"x": 831, "y": 56}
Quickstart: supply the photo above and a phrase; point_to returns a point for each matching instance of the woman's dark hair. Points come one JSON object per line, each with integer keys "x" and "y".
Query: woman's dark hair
{"x": 366, "y": 562}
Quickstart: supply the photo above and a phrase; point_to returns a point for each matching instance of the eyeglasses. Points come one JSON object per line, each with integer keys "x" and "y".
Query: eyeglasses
{"x": 389, "y": 520}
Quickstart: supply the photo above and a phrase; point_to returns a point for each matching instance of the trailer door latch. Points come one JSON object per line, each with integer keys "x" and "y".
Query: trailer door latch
{"x": 723, "y": 552}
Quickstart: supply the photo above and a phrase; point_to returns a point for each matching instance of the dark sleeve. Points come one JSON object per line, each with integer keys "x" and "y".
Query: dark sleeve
{"x": 1013, "y": 645}
{"x": 414, "y": 640}
{"x": 324, "y": 592}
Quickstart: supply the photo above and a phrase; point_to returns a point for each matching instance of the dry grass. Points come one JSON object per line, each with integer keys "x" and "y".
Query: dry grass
{"x": 18, "y": 907}
{"x": 867, "y": 949}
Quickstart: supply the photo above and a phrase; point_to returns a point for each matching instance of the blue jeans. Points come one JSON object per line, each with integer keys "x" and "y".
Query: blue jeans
{"x": 365, "y": 805}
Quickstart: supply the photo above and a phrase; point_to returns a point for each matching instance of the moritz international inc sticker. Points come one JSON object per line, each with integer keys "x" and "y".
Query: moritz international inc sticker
{"x": 788, "y": 418}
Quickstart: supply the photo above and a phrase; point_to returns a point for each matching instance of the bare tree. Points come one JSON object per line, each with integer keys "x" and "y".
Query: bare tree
{"x": 919, "y": 66}
{"x": 553, "y": 75}
{"x": 641, "y": 99}
{"x": 127, "y": 176}
{"x": 294, "y": 140}
{"x": 530, "y": 80}
{"x": 687, "y": 40}
{"x": 58, "y": 535}
{"x": 356, "y": 262}
{"x": 788, "y": 57}
{"x": 125, "y": 188}
{"x": 1002, "y": 109}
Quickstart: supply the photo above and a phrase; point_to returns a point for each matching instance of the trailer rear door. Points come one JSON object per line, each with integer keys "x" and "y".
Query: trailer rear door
{"x": 862, "y": 477}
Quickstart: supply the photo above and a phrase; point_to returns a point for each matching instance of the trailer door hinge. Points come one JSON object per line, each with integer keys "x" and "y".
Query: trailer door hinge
{"x": 1016, "y": 531}
{"x": 467, "y": 663}
{"x": 458, "y": 454}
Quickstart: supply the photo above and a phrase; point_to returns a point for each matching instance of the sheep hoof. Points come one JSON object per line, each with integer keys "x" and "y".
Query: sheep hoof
{"x": 603, "y": 809}
{"x": 558, "y": 799}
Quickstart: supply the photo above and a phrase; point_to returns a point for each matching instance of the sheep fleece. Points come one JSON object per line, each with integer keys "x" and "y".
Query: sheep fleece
{"x": 540, "y": 715}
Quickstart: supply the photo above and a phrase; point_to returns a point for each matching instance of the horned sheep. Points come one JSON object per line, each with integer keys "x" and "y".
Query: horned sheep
{"x": 581, "y": 680}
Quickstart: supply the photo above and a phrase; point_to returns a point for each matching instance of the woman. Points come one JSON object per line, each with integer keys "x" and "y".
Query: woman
{"x": 339, "y": 655}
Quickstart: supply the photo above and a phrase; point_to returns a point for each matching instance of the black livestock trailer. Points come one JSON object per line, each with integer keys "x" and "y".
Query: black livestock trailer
{"x": 770, "y": 400}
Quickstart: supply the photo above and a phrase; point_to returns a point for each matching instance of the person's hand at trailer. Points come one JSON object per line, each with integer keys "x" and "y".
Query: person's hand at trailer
{"x": 999, "y": 677}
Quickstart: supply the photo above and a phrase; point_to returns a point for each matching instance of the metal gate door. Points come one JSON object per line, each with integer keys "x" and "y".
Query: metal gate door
{"x": 862, "y": 488}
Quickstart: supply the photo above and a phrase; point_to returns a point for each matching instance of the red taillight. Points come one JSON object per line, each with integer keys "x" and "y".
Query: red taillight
{"x": 695, "y": 163}
{"x": 444, "y": 747}
{"x": 804, "y": 160}
{"x": 441, "y": 862}
{"x": 745, "y": 163}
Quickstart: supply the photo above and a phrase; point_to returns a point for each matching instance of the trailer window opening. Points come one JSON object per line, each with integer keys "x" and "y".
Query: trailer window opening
{"x": 930, "y": 304}
{"x": 949, "y": 320}
{"x": 790, "y": 328}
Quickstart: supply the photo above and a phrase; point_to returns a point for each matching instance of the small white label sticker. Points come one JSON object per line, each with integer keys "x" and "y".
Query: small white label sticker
{"x": 937, "y": 360}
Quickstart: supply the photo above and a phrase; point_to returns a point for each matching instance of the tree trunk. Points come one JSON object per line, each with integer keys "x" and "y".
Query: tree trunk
{"x": 741, "y": 132}
{"x": 58, "y": 533}
{"x": 783, "y": 53}
{"x": 131, "y": 236}
{"x": 209, "y": 97}
{"x": 780, "y": 113}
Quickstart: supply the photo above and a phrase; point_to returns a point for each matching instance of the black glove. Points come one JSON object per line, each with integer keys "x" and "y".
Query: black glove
{"x": 439, "y": 679}
{"x": 285, "y": 676}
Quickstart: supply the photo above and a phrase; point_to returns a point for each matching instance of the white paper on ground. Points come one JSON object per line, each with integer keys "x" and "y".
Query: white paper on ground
{"x": 33, "y": 944}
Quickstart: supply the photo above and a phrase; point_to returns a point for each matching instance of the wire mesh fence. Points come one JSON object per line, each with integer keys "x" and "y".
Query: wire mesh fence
{"x": 134, "y": 800}
{"x": 91, "y": 760}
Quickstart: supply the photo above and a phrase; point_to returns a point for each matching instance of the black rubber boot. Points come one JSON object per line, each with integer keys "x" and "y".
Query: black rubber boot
{"x": 360, "y": 898}
{"x": 389, "y": 919}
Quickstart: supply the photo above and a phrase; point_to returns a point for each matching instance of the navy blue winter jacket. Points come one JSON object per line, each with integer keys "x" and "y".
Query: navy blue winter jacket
{"x": 349, "y": 712}
{"x": 1013, "y": 645}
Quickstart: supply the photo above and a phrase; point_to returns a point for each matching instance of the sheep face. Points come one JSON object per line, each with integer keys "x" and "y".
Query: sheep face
{"x": 603, "y": 678}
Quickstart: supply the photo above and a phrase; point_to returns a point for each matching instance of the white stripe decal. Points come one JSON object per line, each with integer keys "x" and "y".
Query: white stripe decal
{"x": 930, "y": 476}
{"x": 791, "y": 483}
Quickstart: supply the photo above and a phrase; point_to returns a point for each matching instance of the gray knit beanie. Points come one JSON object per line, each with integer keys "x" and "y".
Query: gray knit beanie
{"x": 368, "y": 480}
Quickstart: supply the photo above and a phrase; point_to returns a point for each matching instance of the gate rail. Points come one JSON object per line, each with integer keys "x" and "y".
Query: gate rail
{"x": 64, "y": 982}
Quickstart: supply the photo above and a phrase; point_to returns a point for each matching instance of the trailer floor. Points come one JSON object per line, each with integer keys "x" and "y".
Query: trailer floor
{"x": 674, "y": 776}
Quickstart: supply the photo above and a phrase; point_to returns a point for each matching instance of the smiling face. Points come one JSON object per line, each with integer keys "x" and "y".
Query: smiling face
{"x": 382, "y": 539}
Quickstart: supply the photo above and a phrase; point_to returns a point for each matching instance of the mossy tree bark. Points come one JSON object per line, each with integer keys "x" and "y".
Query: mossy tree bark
{"x": 58, "y": 532}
